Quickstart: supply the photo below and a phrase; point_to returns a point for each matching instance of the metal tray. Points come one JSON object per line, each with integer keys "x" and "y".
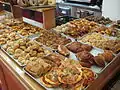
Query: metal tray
{"x": 33, "y": 36}
{"x": 40, "y": 83}
{"x": 21, "y": 65}
{"x": 48, "y": 47}
{"x": 95, "y": 51}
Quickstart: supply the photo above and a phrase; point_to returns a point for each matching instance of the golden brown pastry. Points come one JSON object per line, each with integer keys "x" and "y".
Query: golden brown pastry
{"x": 47, "y": 84}
{"x": 38, "y": 67}
{"x": 52, "y": 76}
{"x": 55, "y": 58}
{"x": 63, "y": 50}
{"x": 74, "y": 46}
{"x": 100, "y": 60}
{"x": 108, "y": 55}
{"x": 88, "y": 75}
{"x": 69, "y": 74}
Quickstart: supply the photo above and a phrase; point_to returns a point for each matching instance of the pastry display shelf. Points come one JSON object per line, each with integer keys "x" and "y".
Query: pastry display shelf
{"x": 27, "y": 83}
{"x": 13, "y": 72}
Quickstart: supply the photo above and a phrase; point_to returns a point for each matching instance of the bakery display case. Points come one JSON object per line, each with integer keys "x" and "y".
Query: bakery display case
{"x": 77, "y": 55}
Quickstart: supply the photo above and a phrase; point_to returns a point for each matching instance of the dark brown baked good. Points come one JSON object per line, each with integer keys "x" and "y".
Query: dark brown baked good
{"x": 86, "y": 64}
{"x": 100, "y": 60}
{"x": 85, "y": 56}
{"x": 63, "y": 50}
{"x": 74, "y": 46}
{"x": 86, "y": 47}
{"x": 108, "y": 55}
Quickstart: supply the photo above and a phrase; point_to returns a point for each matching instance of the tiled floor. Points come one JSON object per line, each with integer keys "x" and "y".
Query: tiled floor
{"x": 116, "y": 86}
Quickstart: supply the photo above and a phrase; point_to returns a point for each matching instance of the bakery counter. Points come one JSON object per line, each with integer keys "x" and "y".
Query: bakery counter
{"x": 13, "y": 77}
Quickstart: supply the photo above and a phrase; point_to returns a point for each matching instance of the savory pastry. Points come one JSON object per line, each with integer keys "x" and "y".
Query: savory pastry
{"x": 37, "y": 68}
{"x": 86, "y": 47}
{"x": 68, "y": 61}
{"x": 44, "y": 82}
{"x": 52, "y": 76}
{"x": 85, "y": 56}
{"x": 88, "y": 75}
{"x": 52, "y": 39}
{"x": 78, "y": 28}
{"x": 69, "y": 74}
{"x": 74, "y": 46}
{"x": 100, "y": 60}
{"x": 108, "y": 55}
{"x": 55, "y": 58}
{"x": 63, "y": 50}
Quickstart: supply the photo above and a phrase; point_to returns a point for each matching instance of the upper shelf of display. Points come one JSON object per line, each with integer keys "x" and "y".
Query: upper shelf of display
{"x": 41, "y": 8}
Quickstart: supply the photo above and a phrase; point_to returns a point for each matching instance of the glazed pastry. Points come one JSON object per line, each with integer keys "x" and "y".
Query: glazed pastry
{"x": 100, "y": 60}
{"x": 108, "y": 55}
{"x": 74, "y": 46}
{"x": 85, "y": 56}
{"x": 63, "y": 50}
{"x": 86, "y": 47}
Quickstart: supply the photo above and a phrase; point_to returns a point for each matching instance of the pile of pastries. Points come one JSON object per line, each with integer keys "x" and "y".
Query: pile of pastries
{"x": 100, "y": 20}
{"x": 52, "y": 39}
{"x": 25, "y": 29}
{"x": 8, "y": 35}
{"x": 77, "y": 28}
{"x": 69, "y": 74}
{"x": 105, "y": 43}
{"x": 107, "y": 31}
{"x": 12, "y": 22}
{"x": 56, "y": 69}
{"x": 25, "y": 50}
{"x": 82, "y": 52}
{"x": 87, "y": 59}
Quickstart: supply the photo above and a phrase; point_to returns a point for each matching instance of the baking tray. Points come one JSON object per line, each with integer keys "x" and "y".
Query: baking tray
{"x": 39, "y": 82}
{"x": 33, "y": 36}
{"x": 21, "y": 65}
{"x": 55, "y": 88}
{"x": 95, "y": 51}
{"x": 51, "y": 48}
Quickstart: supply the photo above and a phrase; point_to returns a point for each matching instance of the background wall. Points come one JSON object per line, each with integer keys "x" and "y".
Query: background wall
{"x": 111, "y": 8}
